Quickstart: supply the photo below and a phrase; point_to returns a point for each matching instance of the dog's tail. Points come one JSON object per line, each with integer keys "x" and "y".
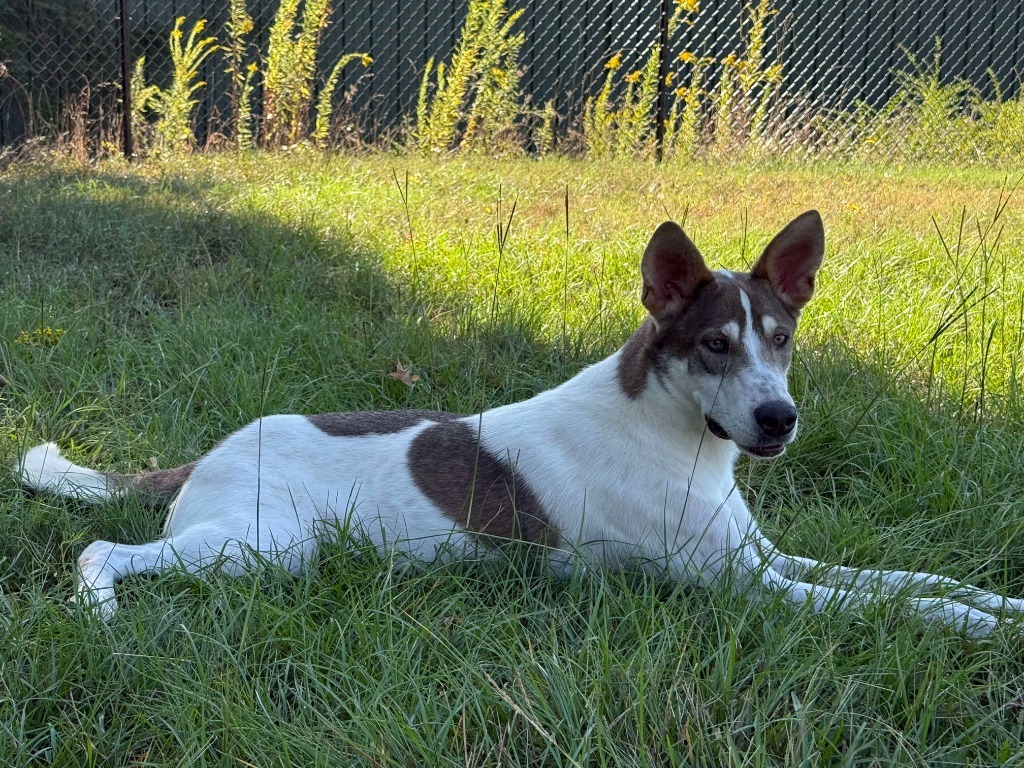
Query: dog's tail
{"x": 43, "y": 468}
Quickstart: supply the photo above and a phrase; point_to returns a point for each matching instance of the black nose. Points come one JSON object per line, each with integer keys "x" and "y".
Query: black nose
{"x": 776, "y": 419}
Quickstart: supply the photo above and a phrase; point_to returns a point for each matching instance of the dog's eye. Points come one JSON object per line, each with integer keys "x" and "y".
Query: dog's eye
{"x": 781, "y": 339}
{"x": 718, "y": 346}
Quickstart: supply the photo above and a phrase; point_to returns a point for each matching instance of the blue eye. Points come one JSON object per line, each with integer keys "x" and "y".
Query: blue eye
{"x": 781, "y": 339}
{"x": 718, "y": 346}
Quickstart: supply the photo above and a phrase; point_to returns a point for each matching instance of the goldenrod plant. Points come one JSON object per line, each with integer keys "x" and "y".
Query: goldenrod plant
{"x": 735, "y": 111}
{"x": 546, "y": 135}
{"x": 627, "y": 128}
{"x": 474, "y": 101}
{"x": 289, "y": 78}
{"x": 598, "y": 114}
{"x": 325, "y": 103}
{"x": 144, "y": 98}
{"x": 176, "y": 104}
{"x": 239, "y": 26}
{"x": 758, "y": 80}
{"x": 683, "y": 123}
{"x": 290, "y": 72}
{"x": 1000, "y": 123}
{"x": 746, "y": 85}
{"x": 634, "y": 134}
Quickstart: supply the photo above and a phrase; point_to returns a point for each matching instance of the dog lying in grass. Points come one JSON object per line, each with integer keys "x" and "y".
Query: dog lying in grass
{"x": 631, "y": 459}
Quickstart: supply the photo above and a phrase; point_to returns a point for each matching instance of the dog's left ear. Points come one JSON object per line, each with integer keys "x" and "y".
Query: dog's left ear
{"x": 792, "y": 259}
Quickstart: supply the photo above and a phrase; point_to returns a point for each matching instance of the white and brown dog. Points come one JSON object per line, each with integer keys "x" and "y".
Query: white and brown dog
{"x": 630, "y": 460}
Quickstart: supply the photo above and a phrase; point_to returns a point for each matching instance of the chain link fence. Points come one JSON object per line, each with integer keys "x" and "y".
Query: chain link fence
{"x": 794, "y": 76}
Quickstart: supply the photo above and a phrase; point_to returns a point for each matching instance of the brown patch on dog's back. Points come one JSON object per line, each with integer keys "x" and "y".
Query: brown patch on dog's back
{"x": 474, "y": 488}
{"x": 358, "y": 423}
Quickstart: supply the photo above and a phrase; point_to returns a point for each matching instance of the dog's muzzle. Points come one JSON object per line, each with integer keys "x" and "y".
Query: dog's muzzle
{"x": 776, "y": 422}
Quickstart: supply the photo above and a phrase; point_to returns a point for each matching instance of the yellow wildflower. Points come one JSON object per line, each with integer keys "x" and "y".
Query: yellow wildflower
{"x": 614, "y": 62}
{"x": 690, "y": 6}
{"x": 252, "y": 67}
{"x": 43, "y": 337}
{"x": 366, "y": 59}
{"x": 729, "y": 60}
{"x": 687, "y": 57}
{"x": 633, "y": 77}
{"x": 669, "y": 78}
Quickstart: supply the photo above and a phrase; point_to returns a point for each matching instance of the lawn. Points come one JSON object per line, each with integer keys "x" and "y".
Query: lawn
{"x": 145, "y": 312}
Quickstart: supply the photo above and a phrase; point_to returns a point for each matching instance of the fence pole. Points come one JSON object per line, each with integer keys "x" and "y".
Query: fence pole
{"x": 659, "y": 120}
{"x": 126, "y": 83}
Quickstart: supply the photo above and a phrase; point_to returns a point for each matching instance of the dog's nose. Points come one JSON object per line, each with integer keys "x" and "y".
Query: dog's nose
{"x": 776, "y": 419}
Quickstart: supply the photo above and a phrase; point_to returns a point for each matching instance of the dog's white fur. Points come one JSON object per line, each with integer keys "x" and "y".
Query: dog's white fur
{"x": 619, "y": 458}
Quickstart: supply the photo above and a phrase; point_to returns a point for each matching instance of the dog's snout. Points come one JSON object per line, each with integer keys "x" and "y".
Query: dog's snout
{"x": 775, "y": 419}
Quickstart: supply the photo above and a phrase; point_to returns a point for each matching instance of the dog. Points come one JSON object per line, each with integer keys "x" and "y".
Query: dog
{"x": 630, "y": 460}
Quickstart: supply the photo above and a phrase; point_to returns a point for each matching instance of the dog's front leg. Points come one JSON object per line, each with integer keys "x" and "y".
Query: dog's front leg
{"x": 888, "y": 582}
{"x": 950, "y": 612}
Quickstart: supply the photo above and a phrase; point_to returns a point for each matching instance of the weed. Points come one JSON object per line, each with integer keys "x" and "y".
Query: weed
{"x": 598, "y": 115}
{"x": 290, "y": 75}
{"x": 925, "y": 108}
{"x": 547, "y": 136}
{"x": 239, "y": 26}
{"x": 627, "y": 129}
{"x": 682, "y": 125}
{"x": 634, "y": 121}
{"x": 999, "y": 125}
{"x": 929, "y": 120}
{"x": 473, "y": 102}
{"x": 44, "y": 336}
{"x": 175, "y": 104}
{"x": 738, "y": 104}
{"x": 144, "y": 98}
{"x": 291, "y": 70}
{"x": 324, "y": 108}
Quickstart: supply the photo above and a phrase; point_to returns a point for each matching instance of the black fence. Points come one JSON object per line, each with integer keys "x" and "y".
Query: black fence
{"x": 61, "y": 60}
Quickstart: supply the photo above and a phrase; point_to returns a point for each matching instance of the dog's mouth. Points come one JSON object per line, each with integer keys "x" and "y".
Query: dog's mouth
{"x": 716, "y": 429}
{"x": 769, "y": 451}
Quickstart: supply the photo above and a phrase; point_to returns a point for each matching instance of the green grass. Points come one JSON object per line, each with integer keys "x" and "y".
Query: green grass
{"x": 197, "y": 295}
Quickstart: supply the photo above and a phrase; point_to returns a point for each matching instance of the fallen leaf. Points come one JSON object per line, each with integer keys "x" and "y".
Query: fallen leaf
{"x": 401, "y": 374}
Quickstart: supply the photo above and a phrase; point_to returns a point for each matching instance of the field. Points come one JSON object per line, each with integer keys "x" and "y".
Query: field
{"x": 147, "y": 311}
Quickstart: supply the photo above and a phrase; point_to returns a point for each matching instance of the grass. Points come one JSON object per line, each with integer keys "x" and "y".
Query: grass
{"x": 186, "y": 298}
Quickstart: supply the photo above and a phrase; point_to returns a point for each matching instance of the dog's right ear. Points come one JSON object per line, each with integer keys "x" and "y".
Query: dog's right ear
{"x": 673, "y": 271}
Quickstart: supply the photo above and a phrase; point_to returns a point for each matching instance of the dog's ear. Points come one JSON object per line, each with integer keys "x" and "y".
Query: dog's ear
{"x": 673, "y": 271}
{"x": 792, "y": 259}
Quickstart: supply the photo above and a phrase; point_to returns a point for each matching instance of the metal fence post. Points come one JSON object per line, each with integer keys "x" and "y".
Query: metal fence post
{"x": 126, "y": 83}
{"x": 659, "y": 119}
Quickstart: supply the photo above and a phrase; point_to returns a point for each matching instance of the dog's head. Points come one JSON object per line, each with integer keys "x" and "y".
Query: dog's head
{"x": 725, "y": 339}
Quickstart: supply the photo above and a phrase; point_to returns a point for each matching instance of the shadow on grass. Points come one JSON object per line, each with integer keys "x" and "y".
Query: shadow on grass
{"x": 177, "y": 321}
